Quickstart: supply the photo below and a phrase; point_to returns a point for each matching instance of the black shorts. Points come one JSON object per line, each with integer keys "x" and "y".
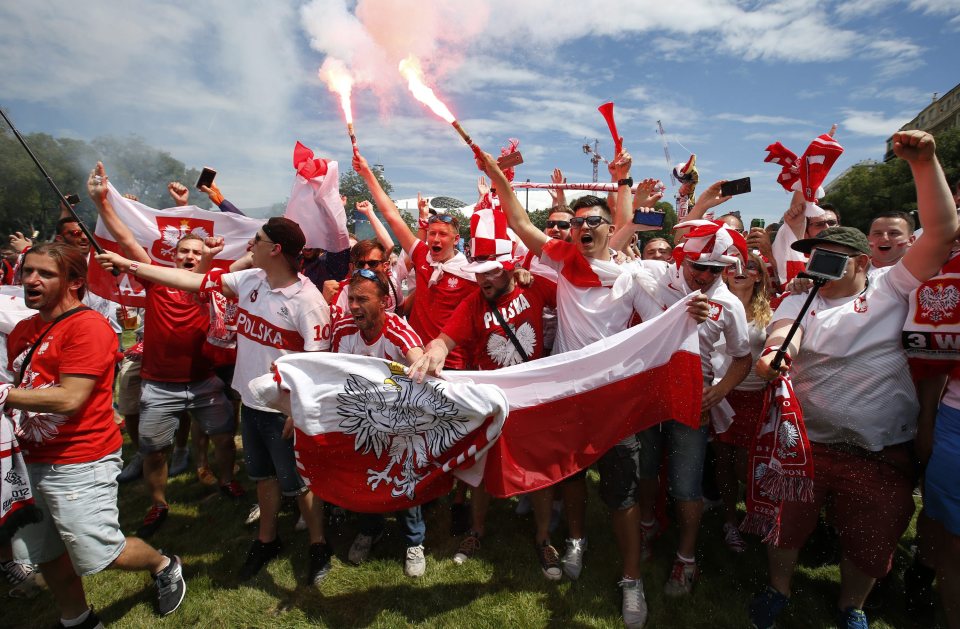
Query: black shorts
{"x": 620, "y": 474}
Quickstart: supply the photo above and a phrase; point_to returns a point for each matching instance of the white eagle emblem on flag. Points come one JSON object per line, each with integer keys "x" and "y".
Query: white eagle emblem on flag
{"x": 788, "y": 436}
{"x": 938, "y": 304}
{"x": 502, "y": 350}
{"x": 412, "y": 423}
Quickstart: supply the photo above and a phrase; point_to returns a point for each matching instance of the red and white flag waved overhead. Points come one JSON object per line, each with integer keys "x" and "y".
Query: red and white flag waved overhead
{"x": 158, "y": 231}
{"x": 315, "y": 201}
{"x": 367, "y": 444}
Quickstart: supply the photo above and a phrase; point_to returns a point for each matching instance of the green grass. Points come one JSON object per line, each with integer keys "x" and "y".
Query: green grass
{"x": 501, "y": 588}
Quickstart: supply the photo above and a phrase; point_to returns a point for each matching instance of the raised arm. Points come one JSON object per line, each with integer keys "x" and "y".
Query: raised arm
{"x": 517, "y": 217}
{"x": 166, "y": 276}
{"x": 938, "y": 213}
{"x": 390, "y": 212}
{"x": 383, "y": 236}
{"x": 646, "y": 197}
{"x": 179, "y": 193}
{"x": 559, "y": 196}
{"x": 97, "y": 189}
{"x": 708, "y": 199}
{"x": 775, "y": 339}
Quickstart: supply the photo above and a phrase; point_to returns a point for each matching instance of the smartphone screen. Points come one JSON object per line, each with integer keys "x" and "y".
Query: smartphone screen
{"x": 737, "y": 186}
{"x": 206, "y": 177}
{"x": 73, "y": 199}
{"x": 653, "y": 219}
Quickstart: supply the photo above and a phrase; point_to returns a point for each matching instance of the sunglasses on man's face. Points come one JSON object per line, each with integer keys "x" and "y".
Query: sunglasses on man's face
{"x": 372, "y": 264}
{"x": 73, "y": 233}
{"x": 558, "y": 224}
{"x": 716, "y": 270}
{"x": 591, "y": 221}
{"x": 824, "y": 224}
{"x": 257, "y": 238}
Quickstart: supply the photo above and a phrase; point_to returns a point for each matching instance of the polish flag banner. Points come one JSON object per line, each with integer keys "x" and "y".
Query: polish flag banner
{"x": 369, "y": 439}
{"x": 315, "y": 201}
{"x": 158, "y": 232}
{"x": 790, "y": 262}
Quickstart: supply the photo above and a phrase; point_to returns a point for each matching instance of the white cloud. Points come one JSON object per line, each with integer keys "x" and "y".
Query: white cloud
{"x": 871, "y": 123}
{"x": 760, "y": 119}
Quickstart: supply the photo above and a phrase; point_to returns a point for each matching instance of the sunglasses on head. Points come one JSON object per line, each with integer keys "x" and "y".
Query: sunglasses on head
{"x": 591, "y": 221}
{"x": 372, "y": 264}
{"x": 367, "y": 274}
{"x": 558, "y": 224}
{"x": 716, "y": 270}
{"x": 443, "y": 218}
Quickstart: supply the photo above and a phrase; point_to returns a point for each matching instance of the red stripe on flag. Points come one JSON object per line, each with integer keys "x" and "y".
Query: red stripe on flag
{"x": 544, "y": 444}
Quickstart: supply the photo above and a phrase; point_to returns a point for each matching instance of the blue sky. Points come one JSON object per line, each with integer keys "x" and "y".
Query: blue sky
{"x": 234, "y": 85}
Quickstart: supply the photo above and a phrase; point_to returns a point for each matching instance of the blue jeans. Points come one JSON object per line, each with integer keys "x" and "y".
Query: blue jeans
{"x": 687, "y": 451}
{"x": 412, "y": 526}
{"x": 266, "y": 453}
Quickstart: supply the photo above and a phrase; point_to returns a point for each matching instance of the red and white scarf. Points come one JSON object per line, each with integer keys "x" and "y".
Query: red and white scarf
{"x": 781, "y": 461}
{"x": 16, "y": 500}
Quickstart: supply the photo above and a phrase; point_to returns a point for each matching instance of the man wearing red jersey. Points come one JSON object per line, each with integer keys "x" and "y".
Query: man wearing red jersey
{"x": 478, "y": 324}
{"x": 441, "y": 281}
{"x": 65, "y": 359}
{"x": 177, "y": 374}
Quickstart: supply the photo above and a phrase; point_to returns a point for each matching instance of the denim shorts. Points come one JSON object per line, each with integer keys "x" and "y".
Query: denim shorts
{"x": 266, "y": 453}
{"x": 78, "y": 502}
{"x": 162, "y": 402}
{"x": 686, "y": 451}
{"x": 619, "y": 471}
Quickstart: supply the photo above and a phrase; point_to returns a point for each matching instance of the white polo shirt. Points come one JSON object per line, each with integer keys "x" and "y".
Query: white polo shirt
{"x": 588, "y": 307}
{"x": 726, "y": 323}
{"x": 272, "y": 323}
{"x": 851, "y": 374}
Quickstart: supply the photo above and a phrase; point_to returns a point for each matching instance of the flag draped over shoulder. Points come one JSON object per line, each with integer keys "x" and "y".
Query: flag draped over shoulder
{"x": 315, "y": 201}
{"x": 158, "y": 231}
{"x": 17, "y": 506}
{"x": 364, "y": 440}
{"x": 567, "y": 410}
{"x": 370, "y": 439}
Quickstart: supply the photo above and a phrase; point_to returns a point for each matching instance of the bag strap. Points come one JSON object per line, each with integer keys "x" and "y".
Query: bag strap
{"x": 26, "y": 359}
{"x": 510, "y": 334}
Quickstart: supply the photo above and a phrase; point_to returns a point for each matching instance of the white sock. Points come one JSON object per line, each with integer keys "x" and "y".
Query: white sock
{"x": 648, "y": 525}
{"x": 687, "y": 560}
{"x": 73, "y": 622}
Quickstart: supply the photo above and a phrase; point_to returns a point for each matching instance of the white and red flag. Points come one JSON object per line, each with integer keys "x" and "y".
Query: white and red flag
{"x": 158, "y": 232}
{"x": 315, "y": 202}
{"x": 383, "y": 443}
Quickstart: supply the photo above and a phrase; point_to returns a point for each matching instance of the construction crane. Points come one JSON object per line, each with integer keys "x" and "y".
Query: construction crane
{"x": 595, "y": 157}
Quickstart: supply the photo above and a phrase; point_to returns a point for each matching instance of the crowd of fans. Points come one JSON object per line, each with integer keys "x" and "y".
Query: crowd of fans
{"x": 872, "y": 417}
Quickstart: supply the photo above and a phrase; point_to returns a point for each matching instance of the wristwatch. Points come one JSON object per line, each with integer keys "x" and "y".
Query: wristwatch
{"x": 132, "y": 269}
{"x": 625, "y": 182}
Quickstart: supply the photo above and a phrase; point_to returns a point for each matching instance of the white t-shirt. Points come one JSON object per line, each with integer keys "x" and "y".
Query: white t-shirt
{"x": 721, "y": 359}
{"x": 951, "y": 397}
{"x": 587, "y": 308}
{"x": 851, "y": 374}
{"x": 727, "y": 321}
{"x": 272, "y": 323}
{"x": 395, "y": 340}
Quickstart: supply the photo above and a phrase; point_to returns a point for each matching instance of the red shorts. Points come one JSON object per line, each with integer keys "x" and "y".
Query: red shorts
{"x": 747, "y": 405}
{"x": 872, "y": 503}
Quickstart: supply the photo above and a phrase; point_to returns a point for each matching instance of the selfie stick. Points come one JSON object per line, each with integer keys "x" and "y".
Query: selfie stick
{"x": 56, "y": 190}
{"x": 818, "y": 282}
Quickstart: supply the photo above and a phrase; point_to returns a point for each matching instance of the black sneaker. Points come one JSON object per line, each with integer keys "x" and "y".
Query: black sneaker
{"x": 918, "y": 591}
{"x": 155, "y": 517}
{"x": 459, "y": 519}
{"x": 92, "y": 621}
{"x": 171, "y": 588}
{"x": 258, "y": 556}
{"x": 766, "y": 606}
{"x": 319, "y": 567}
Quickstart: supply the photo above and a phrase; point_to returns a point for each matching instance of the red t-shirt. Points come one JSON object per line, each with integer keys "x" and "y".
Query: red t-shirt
{"x": 433, "y": 305}
{"x": 475, "y": 328}
{"x": 82, "y": 344}
{"x": 174, "y": 331}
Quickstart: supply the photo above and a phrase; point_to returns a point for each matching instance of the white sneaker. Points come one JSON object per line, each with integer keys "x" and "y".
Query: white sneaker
{"x": 415, "y": 564}
{"x": 634, "y": 607}
{"x": 573, "y": 557}
{"x": 301, "y": 525}
{"x": 254, "y": 516}
{"x": 360, "y": 548}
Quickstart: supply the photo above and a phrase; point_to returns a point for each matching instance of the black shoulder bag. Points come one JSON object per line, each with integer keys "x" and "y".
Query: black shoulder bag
{"x": 510, "y": 334}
